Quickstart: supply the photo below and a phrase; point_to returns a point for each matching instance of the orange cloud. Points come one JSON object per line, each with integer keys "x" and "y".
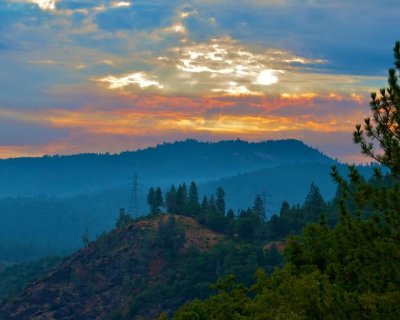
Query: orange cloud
{"x": 132, "y": 121}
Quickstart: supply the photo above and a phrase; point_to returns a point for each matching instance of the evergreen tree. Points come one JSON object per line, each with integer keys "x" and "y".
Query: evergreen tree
{"x": 204, "y": 205}
{"x": 230, "y": 215}
{"x": 230, "y": 227}
{"x": 170, "y": 200}
{"x": 285, "y": 207}
{"x": 181, "y": 199}
{"x": 193, "y": 200}
{"x": 158, "y": 200}
{"x": 384, "y": 125}
{"x": 220, "y": 202}
{"x": 150, "y": 199}
{"x": 314, "y": 205}
{"x": 212, "y": 207}
{"x": 258, "y": 207}
{"x": 214, "y": 219}
{"x": 155, "y": 200}
{"x": 248, "y": 226}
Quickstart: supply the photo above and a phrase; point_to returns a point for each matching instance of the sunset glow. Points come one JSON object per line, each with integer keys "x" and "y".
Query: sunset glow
{"x": 117, "y": 75}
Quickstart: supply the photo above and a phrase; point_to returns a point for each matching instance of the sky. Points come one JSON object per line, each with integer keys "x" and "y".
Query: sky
{"x": 105, "y": 76}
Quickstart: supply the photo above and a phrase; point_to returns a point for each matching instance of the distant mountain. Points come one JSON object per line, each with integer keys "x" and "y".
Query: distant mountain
{"x": 164, "y": 164}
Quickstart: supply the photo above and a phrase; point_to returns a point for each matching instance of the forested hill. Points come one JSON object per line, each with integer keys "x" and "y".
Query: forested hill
{"x": 164, "y": 164}
{"x": 139, "y": 270}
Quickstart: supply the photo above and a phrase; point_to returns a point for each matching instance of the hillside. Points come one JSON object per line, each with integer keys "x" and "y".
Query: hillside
{"x": 114, "y": 273}
{"x": 164, "y": 164}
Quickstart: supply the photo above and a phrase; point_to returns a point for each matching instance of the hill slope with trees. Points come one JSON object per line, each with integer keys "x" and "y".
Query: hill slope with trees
{"x": 137, "y": 271}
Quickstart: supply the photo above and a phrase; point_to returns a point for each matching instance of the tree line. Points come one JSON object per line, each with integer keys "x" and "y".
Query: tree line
{"x": 249, "y": 224}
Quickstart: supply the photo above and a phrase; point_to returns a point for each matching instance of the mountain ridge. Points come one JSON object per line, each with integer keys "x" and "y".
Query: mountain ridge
{"x": 164, "y": 164}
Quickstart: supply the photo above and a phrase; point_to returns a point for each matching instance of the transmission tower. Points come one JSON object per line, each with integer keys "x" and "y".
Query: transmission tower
{"x": 134, "y": 209}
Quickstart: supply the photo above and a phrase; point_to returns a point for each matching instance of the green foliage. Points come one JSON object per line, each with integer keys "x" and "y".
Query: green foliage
{"x": 190, "y": 273}
{"x": 292, "y": 220}
{"x": 170, "y": 237}
{"x": 384, "y": 125}
{"x": 220, "y": 202}
{"x": 170, "y": 200}
{"x": 248, "y": 226}
{"x": 155, "y": 200}
{"x": 259, "y": 207}
{"x": 193, "y": 205}
{"x": 314, "y": 203}
{"x": 211, "y": 212}
{"x": 181, "y": 199}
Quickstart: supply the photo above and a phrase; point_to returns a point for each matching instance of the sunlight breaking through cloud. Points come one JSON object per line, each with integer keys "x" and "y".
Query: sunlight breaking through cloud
{"x": 138, "y": 78}
{"x": 45, "y": 4}
{"x": 219, "y": 62}
{"x": 119, "y": 4}
{"x": 267, "y": 77}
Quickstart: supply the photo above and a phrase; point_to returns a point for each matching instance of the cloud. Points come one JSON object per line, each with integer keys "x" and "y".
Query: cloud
{"x": 45, "y": 4}
{"x": 118, "y": 4}
{"x": 228, "y": 67}
{"x": 42, "y": 4}
{"x": 139, "y": 78}
{"x": 211, "y": 69}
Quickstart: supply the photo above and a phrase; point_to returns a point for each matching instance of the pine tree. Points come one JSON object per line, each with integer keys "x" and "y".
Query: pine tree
{"x": 150, "y": 199}
{"x": 285, "y": 207}
{"x": 181, "y": 199}
{"x": 220, "y": 202}
{"x": 155, "y": 200}
{"x": 193, "y": 200}
{"x": 204, "y": 205}
{"x": 258, "y": 208}
{"x": 170, "y": 200}
{"x": 158, "y": 201}
{"x": 384, "y": 126}
{"x": 230, "y": 215}
{"x": 314, "y": 205}
{"x": 212, "y": 207}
